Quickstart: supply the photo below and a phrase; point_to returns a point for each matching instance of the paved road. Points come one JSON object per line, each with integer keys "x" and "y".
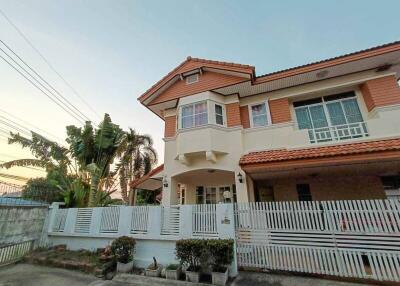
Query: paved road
{"x": 32, "y": 275}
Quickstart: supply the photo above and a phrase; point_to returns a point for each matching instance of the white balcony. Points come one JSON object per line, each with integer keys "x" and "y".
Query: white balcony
{"x": 338, "y": 132}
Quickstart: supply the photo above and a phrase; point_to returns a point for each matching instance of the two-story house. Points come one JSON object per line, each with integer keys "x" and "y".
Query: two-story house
{"x": 328, "y": 130}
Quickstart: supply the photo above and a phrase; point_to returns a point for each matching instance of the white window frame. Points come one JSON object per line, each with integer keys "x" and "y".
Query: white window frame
{"x": 218, "y": 198}
{"x": 195, "y": 76}
{"x": 211, "y": 115}
{"x": 268, "y": 114}
{"x": 193, "y": 115}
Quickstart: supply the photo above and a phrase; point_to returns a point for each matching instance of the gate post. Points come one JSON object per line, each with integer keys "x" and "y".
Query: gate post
{"x": 226, "y": 230}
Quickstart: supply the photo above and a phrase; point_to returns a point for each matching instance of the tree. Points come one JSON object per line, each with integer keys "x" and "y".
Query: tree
{"x": 39, "y": 189}
{"x": 136, "y": 158}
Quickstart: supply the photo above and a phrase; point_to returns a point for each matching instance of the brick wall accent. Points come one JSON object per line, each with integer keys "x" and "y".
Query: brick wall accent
{"x": 280, "y": 110}
{"x": 244, "y": 116}
{"x": 170, "y": 126}
{"x": 233, "y": 114}
{"x": 382, "y": 91}
{"x": 331, "y": 188}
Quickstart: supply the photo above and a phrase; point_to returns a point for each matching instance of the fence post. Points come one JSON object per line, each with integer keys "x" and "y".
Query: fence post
{"x": 226, "y": 230}
{"x": 186, "y": 224}
{"x": 70, "y": 221}
{"x": 125, "y": 220}
{"x": 53, "y": 208}
{"x": 154, "y": 227}
{"x": 95, "y": 222}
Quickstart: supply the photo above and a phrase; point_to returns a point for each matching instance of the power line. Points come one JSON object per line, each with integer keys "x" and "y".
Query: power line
{"x": 27, "y": 123}
{"x": 49, "y": 64}
{"x": 48, "y": 96}
{"x": 73, "y": 108}
{"x": 55, "y": 98}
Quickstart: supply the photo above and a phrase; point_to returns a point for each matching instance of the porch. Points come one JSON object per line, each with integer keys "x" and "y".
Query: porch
{"x": 355, "y": 171}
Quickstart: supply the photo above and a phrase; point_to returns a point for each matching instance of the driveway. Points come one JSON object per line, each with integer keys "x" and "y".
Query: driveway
{"x": 32, "y": 275}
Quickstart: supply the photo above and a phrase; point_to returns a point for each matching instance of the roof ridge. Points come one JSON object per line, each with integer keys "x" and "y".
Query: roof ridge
{"x": 329, "y": 59}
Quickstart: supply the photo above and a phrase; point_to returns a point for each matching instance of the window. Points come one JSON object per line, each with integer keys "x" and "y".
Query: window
{"x": 303, "y": 192}
{"x": 192, "y": 78}
{"x": 391, "y": 185}
{"x": 219, "y": 116}
{"x": 211, "y": 195}
{"x": 200, "y": 195}
{"x": 194, "y": 115}
{"x": 259, "y": 115}
{"x": 330, "y": 118}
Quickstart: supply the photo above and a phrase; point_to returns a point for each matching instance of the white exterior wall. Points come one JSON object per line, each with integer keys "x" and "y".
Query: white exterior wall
{"x": 187, "y": 151}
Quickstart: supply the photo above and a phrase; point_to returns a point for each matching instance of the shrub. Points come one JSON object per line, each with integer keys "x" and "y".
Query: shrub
{"x": 220, "y": 252}
{"x": 39, "y": 189}
{"x": 191, "y": 253}
{"x": 123, "y": 248}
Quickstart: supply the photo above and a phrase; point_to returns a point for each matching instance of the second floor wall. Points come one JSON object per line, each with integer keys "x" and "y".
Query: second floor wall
{"x": 359, "y": 106}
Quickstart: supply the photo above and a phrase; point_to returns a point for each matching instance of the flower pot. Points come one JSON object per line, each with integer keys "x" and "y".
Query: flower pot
{"x": 192, "y": 276}
{"x": 219, "y": 278}
{"x": 173, "y": 274}
{"x": 124, "y": 267}
{"x": 154, "y": 273}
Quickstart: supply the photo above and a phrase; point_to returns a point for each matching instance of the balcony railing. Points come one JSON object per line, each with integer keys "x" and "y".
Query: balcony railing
{"x": 338, "y": 132}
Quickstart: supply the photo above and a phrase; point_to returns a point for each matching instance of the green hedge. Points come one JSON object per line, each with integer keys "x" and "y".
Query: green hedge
{"x": 195, "y": 253}
{"x": 123, "y": 248}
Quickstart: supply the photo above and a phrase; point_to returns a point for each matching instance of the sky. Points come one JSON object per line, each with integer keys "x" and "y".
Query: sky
{"x": 111, "y": 52}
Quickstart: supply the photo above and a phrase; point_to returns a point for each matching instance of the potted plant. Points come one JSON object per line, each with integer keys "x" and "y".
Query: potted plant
{"x": 123, "y": 248}
{"x": 173, "y": 271}
{"x": 221, "y": 256}
{"x": 191, "y": 253}
{"x": 154, "y": 269}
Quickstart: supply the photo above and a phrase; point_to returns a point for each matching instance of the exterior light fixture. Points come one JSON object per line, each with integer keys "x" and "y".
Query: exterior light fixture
{"x": 165, "y": 182}
{"x": 240, "y": 177}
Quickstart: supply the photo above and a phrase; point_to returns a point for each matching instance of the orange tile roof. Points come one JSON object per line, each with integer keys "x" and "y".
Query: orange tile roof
{"x": 320, "y": 152}
{"x": 147, "y": 176}
{"x": 179, "y": 69}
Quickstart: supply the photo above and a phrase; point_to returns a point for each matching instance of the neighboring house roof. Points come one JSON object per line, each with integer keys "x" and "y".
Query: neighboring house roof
{"x": 320, "y": 152}
{"x": 5, "y": 201}
{"x": 149, "y": 175}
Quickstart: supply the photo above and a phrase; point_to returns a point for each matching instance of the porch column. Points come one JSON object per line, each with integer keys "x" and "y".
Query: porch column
{"x": 170, "y": 193}
{"x": 241, "y": 186}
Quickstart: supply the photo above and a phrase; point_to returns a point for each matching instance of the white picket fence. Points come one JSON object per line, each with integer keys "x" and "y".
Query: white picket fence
{"x": 204, "y": 220}
{"x": 11, "y": 253}
{"x": 345, "y": 238}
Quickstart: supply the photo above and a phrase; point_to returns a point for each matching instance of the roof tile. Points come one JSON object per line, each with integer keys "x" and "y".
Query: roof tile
{"x": 319, "y": 152}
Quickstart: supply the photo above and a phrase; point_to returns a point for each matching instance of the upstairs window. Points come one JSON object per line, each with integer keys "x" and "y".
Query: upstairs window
{"x": 219, "y": 115}
{"x": 194, "y": 115}
{"x": 391, "y": 185}
{"x": 192, "y": 78}
{"x": 328, "y": 118}
{"x": 259, "y": 115}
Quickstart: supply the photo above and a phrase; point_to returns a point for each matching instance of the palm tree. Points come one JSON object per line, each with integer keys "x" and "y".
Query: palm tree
{"x": 136, "y": 156}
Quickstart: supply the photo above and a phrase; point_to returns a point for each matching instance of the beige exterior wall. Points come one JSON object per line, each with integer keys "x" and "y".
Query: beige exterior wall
{"x": 331, "y": 188}
{"x": 220, "y": 147}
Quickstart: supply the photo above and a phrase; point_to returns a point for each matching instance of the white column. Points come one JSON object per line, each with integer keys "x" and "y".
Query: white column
{"x": 95, "y": 223}
{"x": 154, "y": 220}
{"x": 70, "y": 221}
{"x": 241, "y": 187}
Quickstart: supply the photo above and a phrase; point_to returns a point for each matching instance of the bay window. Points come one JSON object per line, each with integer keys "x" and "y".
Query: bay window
{"x": 194, "y": 115}
{"x": 201, "y": 113}
{"x": 335, "y": 117}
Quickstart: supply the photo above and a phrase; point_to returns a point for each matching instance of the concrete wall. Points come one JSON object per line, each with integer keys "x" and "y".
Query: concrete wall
{"x": 19, "y": 224}
{"x": 331, "y": 188}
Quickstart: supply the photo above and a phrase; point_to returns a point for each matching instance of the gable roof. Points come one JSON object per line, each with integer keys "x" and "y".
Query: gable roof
{"x": 150, "y": 174}
{"x": 191, "y": 64}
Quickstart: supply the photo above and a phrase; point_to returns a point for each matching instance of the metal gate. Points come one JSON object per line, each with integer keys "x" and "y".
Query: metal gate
{"x": 344, "y": 238}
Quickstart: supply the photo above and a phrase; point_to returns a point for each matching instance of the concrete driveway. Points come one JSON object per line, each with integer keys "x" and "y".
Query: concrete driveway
{"x": 32, "y": 275}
